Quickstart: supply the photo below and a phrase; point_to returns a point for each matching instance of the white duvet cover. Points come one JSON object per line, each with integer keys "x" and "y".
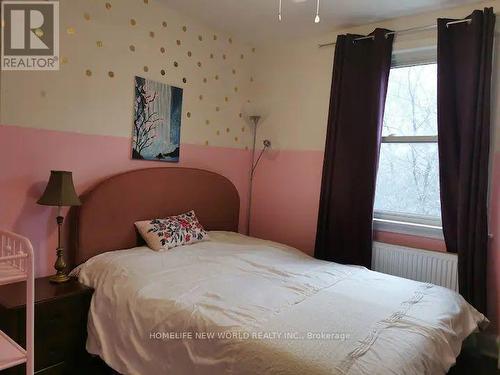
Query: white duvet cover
{"x": 238, "y": 305}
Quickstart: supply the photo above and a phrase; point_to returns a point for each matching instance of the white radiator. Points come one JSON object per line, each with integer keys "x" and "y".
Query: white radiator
{"x": 416, "y": 264}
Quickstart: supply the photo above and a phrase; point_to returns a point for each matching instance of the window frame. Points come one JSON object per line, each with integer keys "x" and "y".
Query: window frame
{"x": 404, "y": 223}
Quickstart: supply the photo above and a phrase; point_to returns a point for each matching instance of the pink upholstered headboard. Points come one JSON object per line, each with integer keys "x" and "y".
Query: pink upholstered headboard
{"x": 105, "y": 221}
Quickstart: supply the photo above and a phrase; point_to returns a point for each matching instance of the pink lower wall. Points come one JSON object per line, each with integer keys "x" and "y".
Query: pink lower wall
{"x": 285, "y": 209}
{"x": 286, "y": 190}
{"x": 27, "y": 156}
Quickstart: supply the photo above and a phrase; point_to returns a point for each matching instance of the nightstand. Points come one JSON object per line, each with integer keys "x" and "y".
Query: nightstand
{"x": 60, "y": 324}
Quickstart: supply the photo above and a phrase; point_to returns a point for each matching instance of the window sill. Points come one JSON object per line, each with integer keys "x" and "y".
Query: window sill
{"x": 412, "y": 229}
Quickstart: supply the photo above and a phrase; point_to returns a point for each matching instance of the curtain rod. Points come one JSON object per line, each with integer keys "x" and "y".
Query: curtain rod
{"x": 405, "y": 31}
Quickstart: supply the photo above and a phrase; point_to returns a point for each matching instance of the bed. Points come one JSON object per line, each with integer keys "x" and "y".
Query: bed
{"x": 240, "y": 305}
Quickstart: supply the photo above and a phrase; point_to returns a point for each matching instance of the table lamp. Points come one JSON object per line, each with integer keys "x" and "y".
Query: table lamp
{"x": 60, "y": 192}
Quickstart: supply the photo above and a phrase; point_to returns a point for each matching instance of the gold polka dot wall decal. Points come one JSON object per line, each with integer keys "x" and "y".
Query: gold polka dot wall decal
{"x": 162, "y": 72}
{"x": 226, "y": 99}
{"x": 236, "y": 139}
{"x": 146, "y": 69}
{"x": 176, "y": 64}
{"x": 243, "y": 129}
{"x": 99, "y": 43}
{"x": 217, "y": 109}
{"x": 217, "y": 132}
{"x": 188, "y": 115}
{"x": 241, "y": 115}
{"x": 189, "y": 53}
{"x": 235, "y": 89}
{"x": 253, "y": 49}
{"x": 207, "y": 122}
{"x": 205, "y": 80}
{"x": 39, "y": 33}
{"x": 162, "y": 49}
{"x": 108, "y": 6}
{"x": 184, "y": 80}
{"x": 224, "y": 56}
{"x": 131, "y": 48}
{"x": 111, "y": 74}
{"x": 152, "y": 34}
{"x": 216, "y": 77}
{"x": 86, "y": 16}
{"x": 234, "y": 71}
{"x": 215, "y": 37}
{"x": 70, "y": 30}
{"x": 251, "y": 79}
{"x": 132, "y": 22}
{"x": 200, "y": 38}
{"x": 88, "y": 72}
{"x": 211, "y": 55}
{"x": 228, "y": 130}
{"x": 43, "y": 94}
{"x": 200, "y": 97}
{"x": 146, "y": 1}
{"x": 178, "y": 42}
{"x": 230, "y": 40}
{"x": 199, "y": 64}
{"x": 246, "y": 148}
{"x": 64, "y": 60}
{"x": 242, "y": 56}
{"x": 206, "y": 143}
{"x": 184, "y": 28}
{"x": 164, "y": 23}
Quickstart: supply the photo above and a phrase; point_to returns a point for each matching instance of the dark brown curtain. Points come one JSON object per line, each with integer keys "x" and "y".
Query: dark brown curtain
{"x": 464, "y": 78}
{"x": 359, "y": 86}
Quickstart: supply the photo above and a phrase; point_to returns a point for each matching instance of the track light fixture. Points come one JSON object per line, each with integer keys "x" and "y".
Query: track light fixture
{"x": 317, "y": 19}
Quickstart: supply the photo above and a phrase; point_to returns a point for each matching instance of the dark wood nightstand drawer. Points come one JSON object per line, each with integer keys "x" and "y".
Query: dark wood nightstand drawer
{"x": 60, "y": 324}
{"x": 57, "y": 317}
{"x": 58, "y": 369}
{"x": 57, "y": 348}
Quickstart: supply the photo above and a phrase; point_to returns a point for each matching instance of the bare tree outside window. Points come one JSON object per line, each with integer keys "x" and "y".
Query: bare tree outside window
{"x": 408, "y": 179}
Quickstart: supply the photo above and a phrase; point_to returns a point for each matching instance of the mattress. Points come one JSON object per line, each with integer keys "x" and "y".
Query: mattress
{"x": 239, "y": 305}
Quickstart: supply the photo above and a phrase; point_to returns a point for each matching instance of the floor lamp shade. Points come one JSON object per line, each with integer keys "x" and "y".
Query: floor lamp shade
{"x": 60, "y": 190}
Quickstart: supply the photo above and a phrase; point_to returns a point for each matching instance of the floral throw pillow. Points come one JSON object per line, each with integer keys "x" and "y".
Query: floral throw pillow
{"x": 171, "y": 232}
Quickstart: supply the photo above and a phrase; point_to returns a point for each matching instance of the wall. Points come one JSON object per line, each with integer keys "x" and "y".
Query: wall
{"x": 293, "y": 82}
{"x": 80, "y": 118}
{"x": 71, "y": 120}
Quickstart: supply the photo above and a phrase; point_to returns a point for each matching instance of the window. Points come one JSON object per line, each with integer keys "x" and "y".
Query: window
{"x": 407, "y": 194}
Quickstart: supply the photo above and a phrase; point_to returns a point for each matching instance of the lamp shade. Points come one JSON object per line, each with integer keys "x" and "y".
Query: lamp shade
{"x": 60, "y": 190}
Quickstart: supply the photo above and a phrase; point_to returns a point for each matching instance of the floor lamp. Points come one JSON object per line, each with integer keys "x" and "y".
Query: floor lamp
{"x": 266, "y": 144}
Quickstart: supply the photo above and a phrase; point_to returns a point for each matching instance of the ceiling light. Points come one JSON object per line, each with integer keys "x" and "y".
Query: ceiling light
{"x": 317, "y": 19}
{"x": 280, "y": 9}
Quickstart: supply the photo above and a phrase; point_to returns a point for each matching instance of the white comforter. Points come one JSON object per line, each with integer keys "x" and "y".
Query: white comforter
{"x": 237, "y": 305}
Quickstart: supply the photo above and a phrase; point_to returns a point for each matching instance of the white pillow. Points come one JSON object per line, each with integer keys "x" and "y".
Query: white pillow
{"x": 172, "y": 231}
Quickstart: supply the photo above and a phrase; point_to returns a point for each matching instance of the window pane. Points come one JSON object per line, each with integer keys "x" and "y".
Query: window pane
{"x": 408, "y": 179}
{"x": 411, "y": 104}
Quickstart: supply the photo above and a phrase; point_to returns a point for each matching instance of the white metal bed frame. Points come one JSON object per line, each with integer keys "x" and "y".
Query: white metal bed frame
{"x": 16, "y": 265}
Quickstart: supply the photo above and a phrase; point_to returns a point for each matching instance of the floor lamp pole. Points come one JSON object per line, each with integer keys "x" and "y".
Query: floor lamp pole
{"x": 255, "y": 121}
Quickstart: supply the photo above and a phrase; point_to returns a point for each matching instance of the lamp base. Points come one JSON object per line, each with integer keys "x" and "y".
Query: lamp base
{"x": 59, "y": 278}
{"x": 60, "y": 264}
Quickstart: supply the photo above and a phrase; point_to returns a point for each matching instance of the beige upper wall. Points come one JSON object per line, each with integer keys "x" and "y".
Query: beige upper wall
{"x": 70, "y": 100}
{"x": 293, "y": 81}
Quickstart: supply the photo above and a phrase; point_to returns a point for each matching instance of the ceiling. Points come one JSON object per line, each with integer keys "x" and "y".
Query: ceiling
{"x": 256, "y": 21}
